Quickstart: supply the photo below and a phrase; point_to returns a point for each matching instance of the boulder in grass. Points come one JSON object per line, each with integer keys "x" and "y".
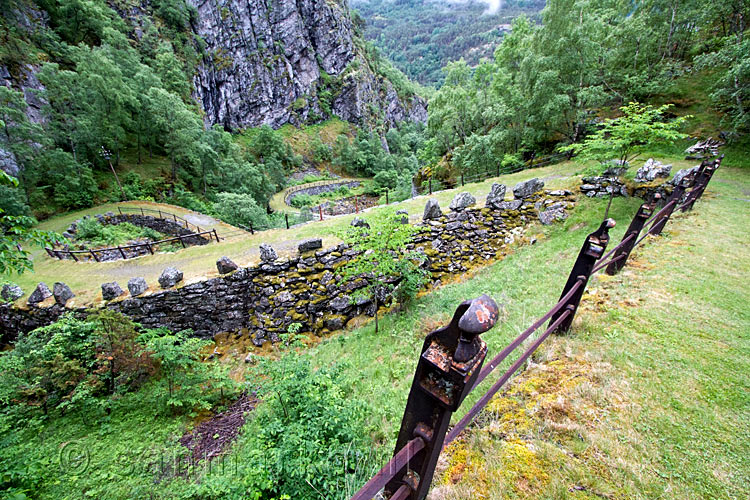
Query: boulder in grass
{"x": 496, "y": 195}
{"x": 62, "y": 293}
{"x": 137, "y": 286}
{"x": 11, "y": 292}
{"x": 170, "y": 277}
{"x": 225, "y": 265}
{"x": 40, "y": 293}
{"x": 267, "y": 253}
{"x": 111, "y": 291}
{"x": 310, "y": 245}
{"x": 462, "y": 201}
{"x": 526, "y": 189}
{"x": 432, "y": 210}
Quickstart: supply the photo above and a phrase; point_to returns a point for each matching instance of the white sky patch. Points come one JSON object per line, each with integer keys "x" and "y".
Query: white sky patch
{"x": 493, "y": 6}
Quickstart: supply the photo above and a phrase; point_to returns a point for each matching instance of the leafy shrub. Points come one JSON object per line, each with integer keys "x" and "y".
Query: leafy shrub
{"x": 302, "y": 201}
{"x": 188, "y": 381}
{"x": 240, "y": 209}
{"x": 307, "y": 437}
{"x": 71, "y": 361}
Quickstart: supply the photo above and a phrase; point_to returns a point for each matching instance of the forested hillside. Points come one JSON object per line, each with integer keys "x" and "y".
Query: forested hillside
{"x": 422, "y": 36}
{"x": 550, "y": 84}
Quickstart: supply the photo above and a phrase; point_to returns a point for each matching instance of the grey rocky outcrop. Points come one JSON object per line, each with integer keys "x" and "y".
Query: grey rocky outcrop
{"x": 462, "y": 201}
{"x": 137, "y": 286}
{"x": 496, "y": 195}
{"x": 225, "y": 265}
{"x": 526, "y": 189}
{"x": 432, "y": 210}
{"x": 310, "y": 245}
{"x": 170, "y": 277}
{"x": 62, "y": 293}
{"x": 651, "y": 170}
{"x": 11, "y": 292}
{"x": 40, "y": 293}
{"x": 270, "y": 63}
{"x": 267, "y": 253}
{"x": 111, "y": 291}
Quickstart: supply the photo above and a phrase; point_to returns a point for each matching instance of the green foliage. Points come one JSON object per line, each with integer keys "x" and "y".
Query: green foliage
{"x": 383, "y": 262}
{"x": 16, "y": 230}
{"x": 240, "y": 209}
{"x": 187, "y": 380}
{"x": 305, "y": 439}
{"x": 302, "y": 200}
{"x": 627, "y": 136}
{"x": 92, "y": 233}
{"x": 731, "y": 56}
{"x": 71, "y": 362}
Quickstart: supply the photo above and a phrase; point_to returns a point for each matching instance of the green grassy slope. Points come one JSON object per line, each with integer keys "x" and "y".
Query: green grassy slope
{"x": 647, "y": 398}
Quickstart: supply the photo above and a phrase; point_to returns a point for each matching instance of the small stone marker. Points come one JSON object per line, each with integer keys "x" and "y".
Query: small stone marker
{"x": 525, "y": 189}
{"x": 432, "y": 210}
{"x": 225, "y": 265}
{"x": 404, "y": 216}
{"x": 462, "y": 201}
{"x": 137, "y": 286}
{"x": 267, "y": 253}
{"x": 496, "y": 195}
{"x": 40, "y": 293}
{"x": 170, "y": 277}
{"x": 359, "y": 222}
{"x": 310, "y": 245}
{"x": 62, "y": 293}
{"x": 111, "y": 290}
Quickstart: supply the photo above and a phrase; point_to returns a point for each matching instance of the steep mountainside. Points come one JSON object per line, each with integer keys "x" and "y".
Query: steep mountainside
{"x": 290, "y": 61}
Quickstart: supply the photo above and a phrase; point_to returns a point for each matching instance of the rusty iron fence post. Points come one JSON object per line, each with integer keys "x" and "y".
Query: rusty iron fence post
{"x": 592, "y": 250}
{"x": 677, "y": 194}
{"x": 430, "y": 183}
{"x": 620, "y": 257}
{"x": 450, "y": 362}
{"x": 286, "y": 219}
{"x": 701, "y": 183}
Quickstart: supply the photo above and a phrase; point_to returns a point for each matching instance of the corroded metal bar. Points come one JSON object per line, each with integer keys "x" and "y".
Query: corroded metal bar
{"x": 592, "y": 250}
{"x": 620, "y": 256}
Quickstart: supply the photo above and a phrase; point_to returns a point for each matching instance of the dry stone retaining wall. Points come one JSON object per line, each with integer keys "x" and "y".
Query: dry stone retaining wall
{"x": 262, "y": 301}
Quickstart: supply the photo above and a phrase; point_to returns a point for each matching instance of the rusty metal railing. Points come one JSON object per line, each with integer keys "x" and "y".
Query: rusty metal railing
{"x": 451, "y": 362}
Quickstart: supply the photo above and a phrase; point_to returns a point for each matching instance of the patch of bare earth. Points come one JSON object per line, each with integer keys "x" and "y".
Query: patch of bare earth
{"x": 214, "y": 436}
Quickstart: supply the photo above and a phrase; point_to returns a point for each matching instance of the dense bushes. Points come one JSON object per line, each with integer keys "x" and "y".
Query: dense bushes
{"x": 91, "y": 232}
{"x": 77, "y": 364}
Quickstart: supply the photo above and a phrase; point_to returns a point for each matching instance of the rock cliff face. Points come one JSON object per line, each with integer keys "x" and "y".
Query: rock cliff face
{"x": 288, "y": 61}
